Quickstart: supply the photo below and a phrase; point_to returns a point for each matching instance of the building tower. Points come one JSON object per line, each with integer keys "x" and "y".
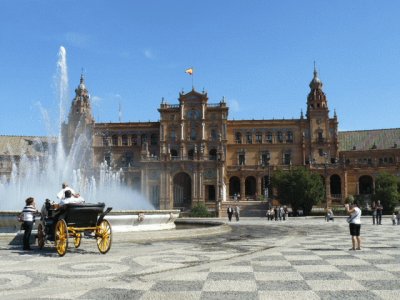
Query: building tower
{"x": 321, "y": 135}
{"x": 80, "y": 121}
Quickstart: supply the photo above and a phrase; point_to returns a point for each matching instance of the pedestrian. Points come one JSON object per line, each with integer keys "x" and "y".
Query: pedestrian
{"x": 28, "y": 217}
{"x": 379, "y": 210}
{"x": 268, "y": 214}
{"x": 394, "y": 218}
{"x": 235, "y": 197}
{"x": 329, "y": 215}
{"x": 374, "y": 218}
{"x": 237, "y": 213}
{"x": 276, "y": 213}
{"x": 229, "y": 211}
{"x": 280, "y": 213}
{"x": 354, "y": 221}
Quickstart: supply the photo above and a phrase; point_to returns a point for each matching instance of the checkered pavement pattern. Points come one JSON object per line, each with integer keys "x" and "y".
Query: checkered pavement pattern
{"x": 317, "y": 265}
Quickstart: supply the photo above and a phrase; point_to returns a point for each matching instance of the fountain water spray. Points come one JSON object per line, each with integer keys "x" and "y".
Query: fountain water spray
{"x": 41, "y": 176}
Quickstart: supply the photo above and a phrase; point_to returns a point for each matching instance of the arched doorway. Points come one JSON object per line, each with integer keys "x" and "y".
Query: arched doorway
{"x": 336, "y": 185}
{"x": 250, "y": 186}
{"x": 182, "y": 190}
{"x": 365, "y": 184}
{"x": 234, "y": 186}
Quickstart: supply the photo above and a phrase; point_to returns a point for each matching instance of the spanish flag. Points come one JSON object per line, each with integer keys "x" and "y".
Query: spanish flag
{"x": 189, "y": 71}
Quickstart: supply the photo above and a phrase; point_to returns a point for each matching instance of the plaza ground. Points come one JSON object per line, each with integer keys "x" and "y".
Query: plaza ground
{"x": 302, "y": 258}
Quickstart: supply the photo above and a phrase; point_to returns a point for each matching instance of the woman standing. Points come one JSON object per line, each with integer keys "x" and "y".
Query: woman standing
{"x": 28, "y": 217}
{"x": 355, "y": 224}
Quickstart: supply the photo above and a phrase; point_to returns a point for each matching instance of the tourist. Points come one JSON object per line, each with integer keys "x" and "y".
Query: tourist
{"x": 28, "y": 218}
{"x": 374, "y": 217}
{"x": 229, "y": 212}
{"x": 276, "y": 213}
{"x": 329, "y": 215}
{"x": 69, "y": 199}
{"x": 379, "y": 210}
{"x": 65, "y": 187}
{"x": 354, "y": 221}
{"x": 237, "y": 213}
{"x": 394, "y": 218}
{"x": 285, "y": 213}
{"x": 268, "y": 214}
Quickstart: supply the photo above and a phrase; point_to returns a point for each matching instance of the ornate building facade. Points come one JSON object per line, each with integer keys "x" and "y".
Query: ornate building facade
{"x": 196, "y": 154}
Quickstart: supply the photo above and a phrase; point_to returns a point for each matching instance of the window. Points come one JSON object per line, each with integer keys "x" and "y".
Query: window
{"x": 238, "y": 138}
{"x": 214, "y": 135}
{"x": 287, "y": 159}
{"x": 127, "y": 159}
{"x": 213, "y": 154}
{"x": 115, "y": 140}
{"x": 124, "y": 140}
{"x": 280, "y": 137}
{"x": 265, "y": 157}
{"x": 249, "y": 138}
{"x": 153, "y": 139}
{"x": 193, "y": 133}
{"x": 191, "y": 154}
{"x": 105, "y": 140}
{"x": 242, "y": 159}
{"x": 143, "y": 139}
{"x": 289, "y": 137}
{"x": 269, "y": 137}
{"x": 174, "y": 153}
{"x": 134, "y": 140}
{"x": 258, "y": 138}
{"x": 173, "y": 135}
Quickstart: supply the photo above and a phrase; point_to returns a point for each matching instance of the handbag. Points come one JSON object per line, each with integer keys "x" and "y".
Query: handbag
{"x": 350, "y": 218}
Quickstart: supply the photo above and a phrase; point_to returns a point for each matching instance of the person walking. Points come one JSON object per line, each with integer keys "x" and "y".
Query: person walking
{"x": 28, "y": 217}
{"x": 229, "y": 211}
{"x": 394, "y": 218}
{"x": 374, "y": 218}
{"x": 354, "y": 221}
{"x": 237, "y": 213}
{"x": 379, "y": 210}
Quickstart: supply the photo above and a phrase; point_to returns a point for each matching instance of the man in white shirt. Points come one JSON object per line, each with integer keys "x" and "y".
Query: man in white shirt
{"x": 69, "y": 199}
{"x": 76, "y": 198}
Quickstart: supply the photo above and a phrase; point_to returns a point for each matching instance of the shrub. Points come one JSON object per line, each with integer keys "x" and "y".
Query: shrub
{"x": 199, "y": 211}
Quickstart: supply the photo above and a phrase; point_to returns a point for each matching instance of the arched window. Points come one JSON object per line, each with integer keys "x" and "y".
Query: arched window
{"x": 249, "y": 138}
{"x": 289, "y": 137}
{"x": 280, "y": 137}
{"x": 269, "y": 137}
{"x": 258, "y": 137}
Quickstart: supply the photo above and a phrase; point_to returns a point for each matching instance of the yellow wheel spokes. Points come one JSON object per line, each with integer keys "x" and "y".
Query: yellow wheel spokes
{"x": 104, "y": 236}
{"x": 77, "y": 240}
{"x": 61, "y": 237}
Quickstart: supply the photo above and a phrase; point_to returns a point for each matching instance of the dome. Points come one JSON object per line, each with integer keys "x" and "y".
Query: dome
{"x": 316, "y": 83}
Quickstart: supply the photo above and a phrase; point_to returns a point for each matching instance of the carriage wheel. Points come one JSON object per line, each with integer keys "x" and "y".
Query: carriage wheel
{"x": 61, "y": 237}
{"x": 77, "y": 240}
{"x": 40, "y": 236}
{"x": 104, "y": 236}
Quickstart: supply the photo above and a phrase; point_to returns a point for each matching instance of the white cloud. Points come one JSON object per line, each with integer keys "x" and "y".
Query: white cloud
{"x": 96, "y": 100}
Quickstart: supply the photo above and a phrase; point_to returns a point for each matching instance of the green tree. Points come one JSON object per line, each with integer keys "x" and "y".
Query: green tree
{"x": 387, "y": 190}
{"x": 299, "y": 187}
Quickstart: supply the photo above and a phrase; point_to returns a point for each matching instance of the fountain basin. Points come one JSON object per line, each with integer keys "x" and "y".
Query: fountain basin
{"x": 121, "y": 221}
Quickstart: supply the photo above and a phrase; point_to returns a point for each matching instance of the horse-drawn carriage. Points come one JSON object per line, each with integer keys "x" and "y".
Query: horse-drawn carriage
{"x": 75, "y": 221}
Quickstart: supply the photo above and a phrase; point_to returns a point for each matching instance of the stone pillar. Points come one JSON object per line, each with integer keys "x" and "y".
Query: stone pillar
{"x": 258, "y": 187}
{"x": 242, "y": 188}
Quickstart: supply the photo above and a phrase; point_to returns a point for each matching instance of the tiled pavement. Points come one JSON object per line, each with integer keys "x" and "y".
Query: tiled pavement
{"x": 299, "y": 259}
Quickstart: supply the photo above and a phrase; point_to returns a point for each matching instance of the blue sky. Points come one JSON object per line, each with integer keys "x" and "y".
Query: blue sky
{"x": 257, "y": 54}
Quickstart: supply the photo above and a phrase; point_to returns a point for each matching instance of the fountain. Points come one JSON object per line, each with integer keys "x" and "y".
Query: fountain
{"x": 41, "y": 176}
